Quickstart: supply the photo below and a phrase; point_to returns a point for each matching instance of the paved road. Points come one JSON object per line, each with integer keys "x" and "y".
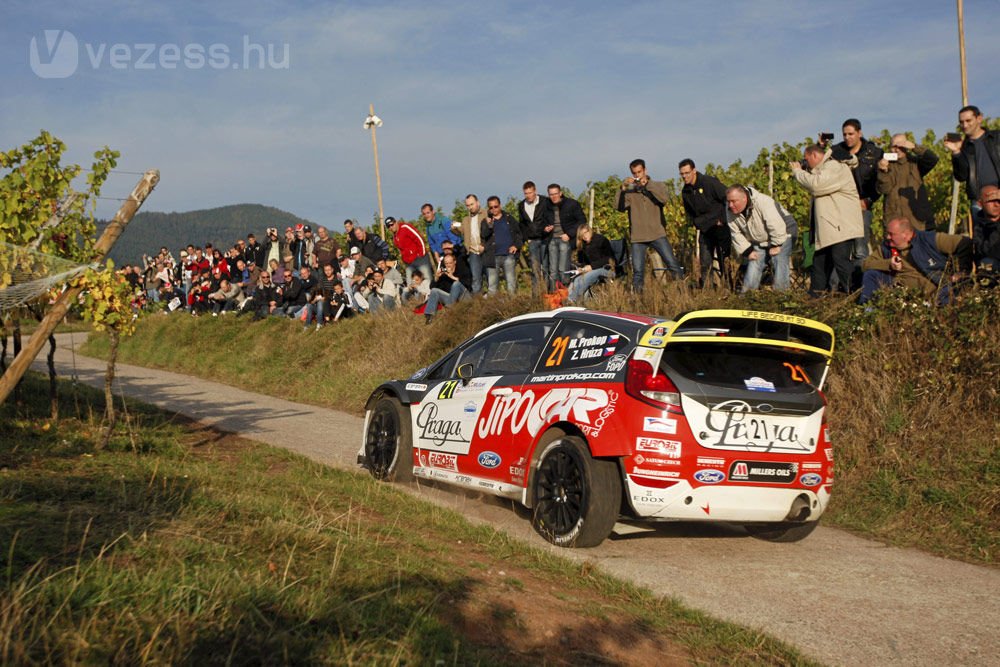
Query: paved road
{"x": 839, "y": 598}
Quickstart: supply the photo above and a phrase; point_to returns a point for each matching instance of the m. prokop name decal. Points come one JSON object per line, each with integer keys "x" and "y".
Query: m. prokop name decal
{"x": 519, "y": 410}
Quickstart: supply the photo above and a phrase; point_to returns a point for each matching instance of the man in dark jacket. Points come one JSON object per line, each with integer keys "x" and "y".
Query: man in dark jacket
{"x": 371, "y": 246}
{"x": 502, "y": 241}
{"x": 452, "y": 281}
{"x": 902, "y": 182}
{"x": 986, "y": 229}
{"x": 566, "y": 216}
{"x": 976, "y": 159}
{"x": 704, "y": 200}
{"x": 294, "y": 296}
{"x": 266, "y": 299}
{"x": 917, "y": 260}
{"x": 536, "y": 228}
{"x": 868, "y": 155}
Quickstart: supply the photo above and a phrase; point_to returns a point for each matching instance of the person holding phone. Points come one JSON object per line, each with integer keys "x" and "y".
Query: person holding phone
{"x": 975, "y": 159}
{"x": 901, "y": 174}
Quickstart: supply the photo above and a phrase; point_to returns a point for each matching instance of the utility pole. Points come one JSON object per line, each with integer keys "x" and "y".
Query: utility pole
{"x": 371, "y": 123}
{"x": 965, "y": 102}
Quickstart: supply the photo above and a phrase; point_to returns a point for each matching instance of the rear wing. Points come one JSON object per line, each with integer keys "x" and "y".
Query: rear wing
{"x": 745, "y": 327}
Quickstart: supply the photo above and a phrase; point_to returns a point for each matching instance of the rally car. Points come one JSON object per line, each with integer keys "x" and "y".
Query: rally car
{"x": 587, "y": 417}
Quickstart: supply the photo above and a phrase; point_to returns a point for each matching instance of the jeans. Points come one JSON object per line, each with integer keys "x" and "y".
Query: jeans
{"x": 439, "y": 296}
{"x": 422, "y": 264}
{"x": 507, "y": 264}
{"x": 861, "y": 249}
{"x": 579, "y": 288}
{"x": 538, "y": 251}
{"x": 476, "y": 265}
{"x": 223, "y": 306}
{"x": 377, "y": 302}
{"x": 315, "y": 310}
{"x": 666, "y": 253}
{"x": 779, "y": 264}
{"x": 559, "y": 252}
{"x": 871, "y": 282}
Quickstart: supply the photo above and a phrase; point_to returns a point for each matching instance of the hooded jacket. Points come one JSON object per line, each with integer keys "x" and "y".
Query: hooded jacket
{"x": 836, "y": 211}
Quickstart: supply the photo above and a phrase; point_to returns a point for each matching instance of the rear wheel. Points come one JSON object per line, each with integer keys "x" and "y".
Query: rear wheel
{"x": 782, "y": 532}
{"x": 576, "y": 497}
{"x": 389, "y": 441}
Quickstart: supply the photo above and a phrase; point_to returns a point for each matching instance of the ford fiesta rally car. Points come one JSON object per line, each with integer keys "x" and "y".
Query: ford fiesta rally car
{"x": 585, "y": 417}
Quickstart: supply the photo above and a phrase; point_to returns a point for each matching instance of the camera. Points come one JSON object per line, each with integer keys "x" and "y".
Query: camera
{"x": 890, "y": 157}
{"x": 953, "y": 136}
{"x": 826, "y": 136}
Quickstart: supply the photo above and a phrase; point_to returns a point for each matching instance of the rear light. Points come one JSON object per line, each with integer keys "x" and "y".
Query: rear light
{"x": 642, "y": 381}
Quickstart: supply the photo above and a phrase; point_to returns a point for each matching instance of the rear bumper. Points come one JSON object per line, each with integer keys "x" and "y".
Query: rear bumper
{"x": 738, "y": 503}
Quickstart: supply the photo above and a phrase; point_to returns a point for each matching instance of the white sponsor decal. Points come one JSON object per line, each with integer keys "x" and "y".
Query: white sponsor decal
{"x": 616, "y": 363}
{"x": 573, "y": 377}
{"x": 439, "y": 460}
{"x": 602, "y": 417}
{"x": 442, "y": 433}
{"x": 759, "y": 384}
{"x": 829, "y": 454}
{"x": 659, "y": 425}
{"x": 671, "y": 448}
{"x": 649, "y": 354}
{"x": 812, "y": 466}
{"x": 710, "y": 461}
{"x": 645, "y": 472}
{"x": 649, "y": 498}
{"x": 734, "y": 425}
{"x": 519, "y": 410}
{"x": 415, "y": 386}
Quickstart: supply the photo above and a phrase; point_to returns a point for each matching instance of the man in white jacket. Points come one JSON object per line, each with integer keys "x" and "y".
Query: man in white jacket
{"x": 760, "y": 229}
{"x": 836, "y": 217}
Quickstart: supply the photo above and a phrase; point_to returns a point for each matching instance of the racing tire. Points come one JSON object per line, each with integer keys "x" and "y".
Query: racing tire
{"x": 781, "y": 532}
{"x": 576, "y": 497}
{"x": 389, "y": 441}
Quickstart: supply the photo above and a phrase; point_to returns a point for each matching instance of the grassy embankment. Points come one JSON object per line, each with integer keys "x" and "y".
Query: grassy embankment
{"x": 912, "y": 390}
{"x": 181, "y": 545}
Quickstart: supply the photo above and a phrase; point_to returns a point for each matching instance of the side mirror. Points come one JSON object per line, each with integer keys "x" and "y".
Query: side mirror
{"x": 465, "y": 372}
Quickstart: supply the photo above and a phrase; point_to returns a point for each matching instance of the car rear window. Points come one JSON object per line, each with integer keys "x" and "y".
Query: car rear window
{"x": 745, "y": 366}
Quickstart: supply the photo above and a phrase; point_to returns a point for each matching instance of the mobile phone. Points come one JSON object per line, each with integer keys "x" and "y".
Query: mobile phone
{"x": 953, "y": 136}
{"x": 826, "y": 136}
{"x": 890, "y": 157}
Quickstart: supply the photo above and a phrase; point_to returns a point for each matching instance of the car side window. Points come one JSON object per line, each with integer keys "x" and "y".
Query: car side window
{"x": 580, "y": 345}
{"x": 445, "y": 370}
{"x": 510, "y": 350}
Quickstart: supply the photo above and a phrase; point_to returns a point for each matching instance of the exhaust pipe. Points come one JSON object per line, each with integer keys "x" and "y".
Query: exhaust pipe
{"x": 800, "y": 510}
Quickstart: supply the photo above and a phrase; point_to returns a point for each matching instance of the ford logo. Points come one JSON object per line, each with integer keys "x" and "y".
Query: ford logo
{"x": 710, "y": 476}
{"x": 489, "y": 459}
{"x": 810, "y": 479}
{"x": 765, "y": 407}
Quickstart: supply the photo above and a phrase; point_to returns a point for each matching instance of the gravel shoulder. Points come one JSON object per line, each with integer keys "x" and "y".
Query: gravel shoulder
{"x": 839, "y": 598}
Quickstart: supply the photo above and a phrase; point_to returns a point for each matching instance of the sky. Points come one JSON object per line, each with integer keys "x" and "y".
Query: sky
{"x": 264, "y": 102}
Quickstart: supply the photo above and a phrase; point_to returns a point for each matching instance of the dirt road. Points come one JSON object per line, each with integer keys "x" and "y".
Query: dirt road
{"x": 839, "y": 598}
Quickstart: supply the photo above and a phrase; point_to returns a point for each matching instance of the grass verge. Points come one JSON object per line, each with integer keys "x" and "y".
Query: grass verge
{"x": 182, "y": 545}
{"x": 912, "y": 390}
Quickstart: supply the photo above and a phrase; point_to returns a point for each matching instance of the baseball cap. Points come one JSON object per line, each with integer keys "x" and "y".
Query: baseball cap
{"x": 355, "y": 250}
{"x": 307, "y": 228}
{"x": 390, "y": 220}
{"x": 299, "y": 227}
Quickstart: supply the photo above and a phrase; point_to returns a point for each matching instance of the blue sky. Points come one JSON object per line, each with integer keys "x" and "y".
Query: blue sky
{"x": 475, "y": 98}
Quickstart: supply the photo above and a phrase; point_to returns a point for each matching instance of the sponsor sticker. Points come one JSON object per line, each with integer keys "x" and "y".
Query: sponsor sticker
{"x": 616, "y": 363}
{"x": 524, "y": 410}
{"x": 470, "y": 408}
{"x": 646, "y": 472}
{"x": 419, "y": 374}
{"x": 445, "y": 461}
{"x": 489, "y": 460}
{"x": 736, "y": 425}
{"x": 759, "y": 384}
{"x": 768, "y": 472}
{"x": 711, "y": 461}
{"x": 709, "y": 476}
{"x": 810, "y": 479}
{"x": 573, "y": 377}
{"x": 671, "y": 448}
{"x": 648, "y": 354}
{"x": 649, "y": 499}
{"x": 441, "y": 432}
{"x": 812, "y": 466}
{"x": 659, "y": 425}
{"x": 829, "y": 453}
{"x": 415, "y": 386}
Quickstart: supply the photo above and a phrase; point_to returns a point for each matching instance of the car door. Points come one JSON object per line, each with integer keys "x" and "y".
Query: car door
{"x": 473, "y": 419}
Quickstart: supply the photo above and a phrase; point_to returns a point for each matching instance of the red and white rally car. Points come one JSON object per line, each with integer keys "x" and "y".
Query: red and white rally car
{"x": 586, "y": 417}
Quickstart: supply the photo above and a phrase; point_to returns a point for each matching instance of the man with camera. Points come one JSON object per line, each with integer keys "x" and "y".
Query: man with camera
{"x": 704, "y": 200}
{"x": 761, "y": 230}
{"x": 864, "y": 171}
{"x": 901, "y": 179}
{"x": 644, "y": 198}
{"x": 975, "y": 160}
{"x": 836, "y": 217}
{"x": 451, "y": 281}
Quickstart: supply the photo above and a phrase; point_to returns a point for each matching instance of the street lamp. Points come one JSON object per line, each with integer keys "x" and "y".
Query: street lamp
{"x": 371, "y": 122}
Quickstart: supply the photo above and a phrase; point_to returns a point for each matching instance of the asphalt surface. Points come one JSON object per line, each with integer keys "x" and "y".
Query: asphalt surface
{"x": 839, "y": 598}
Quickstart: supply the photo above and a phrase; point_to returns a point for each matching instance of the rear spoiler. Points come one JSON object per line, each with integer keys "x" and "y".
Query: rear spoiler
{"x": 751, "y": 327}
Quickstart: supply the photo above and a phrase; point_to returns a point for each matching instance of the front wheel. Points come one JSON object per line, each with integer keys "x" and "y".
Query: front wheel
{"x": 576, "y": 497}
{"x": 389, "y": 441}
{"x": 781, "y": 532}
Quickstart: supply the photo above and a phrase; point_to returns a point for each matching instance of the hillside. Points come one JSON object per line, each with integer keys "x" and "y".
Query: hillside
{"x": 149, "y": 231}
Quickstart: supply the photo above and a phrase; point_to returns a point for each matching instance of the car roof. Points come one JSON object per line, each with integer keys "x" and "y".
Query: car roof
{"x": 617, "y": 321}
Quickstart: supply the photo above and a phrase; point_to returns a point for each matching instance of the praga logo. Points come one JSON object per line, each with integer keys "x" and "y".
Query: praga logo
{"x": 438, "y": 431}
{"x": 523, "y": 410}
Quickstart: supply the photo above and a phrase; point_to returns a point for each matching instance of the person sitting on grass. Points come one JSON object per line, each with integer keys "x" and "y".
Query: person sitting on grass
{"x": 595, "y": 260}
{"x": 266, "y": 298}
{"x": 227, "y": 298}
{"x": 418, "y": 290}
{"x": 917, "y": 260}
{"x": 452, "y": 282}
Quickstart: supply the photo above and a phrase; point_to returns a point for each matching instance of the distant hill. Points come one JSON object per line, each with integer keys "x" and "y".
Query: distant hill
{"x": 150, "y": 231}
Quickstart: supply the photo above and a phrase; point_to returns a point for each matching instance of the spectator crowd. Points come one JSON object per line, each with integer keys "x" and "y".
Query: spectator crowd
{"x": 311, "y": 276}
